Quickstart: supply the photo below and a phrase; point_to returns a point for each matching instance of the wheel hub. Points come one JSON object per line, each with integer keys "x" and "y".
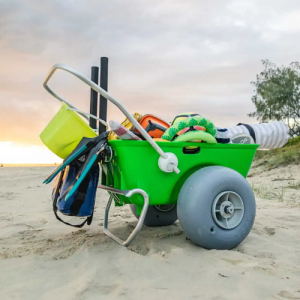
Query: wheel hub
{"x": 228, "y": 210}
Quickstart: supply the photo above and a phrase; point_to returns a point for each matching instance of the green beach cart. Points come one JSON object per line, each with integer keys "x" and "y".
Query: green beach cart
{"x": 203, "y": 185}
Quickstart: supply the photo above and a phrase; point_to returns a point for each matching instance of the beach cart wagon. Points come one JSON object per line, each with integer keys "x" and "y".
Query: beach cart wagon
{"x": 201, "y": 184}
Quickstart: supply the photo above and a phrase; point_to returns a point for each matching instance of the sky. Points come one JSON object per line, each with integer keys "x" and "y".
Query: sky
{"x": 165, "y": 58}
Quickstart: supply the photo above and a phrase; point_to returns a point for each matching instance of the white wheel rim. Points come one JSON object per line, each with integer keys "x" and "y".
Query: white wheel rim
{"x": 228, "y": 210}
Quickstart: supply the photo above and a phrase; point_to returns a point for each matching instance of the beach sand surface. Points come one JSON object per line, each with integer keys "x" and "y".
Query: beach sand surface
{"x": 41, "y": 258}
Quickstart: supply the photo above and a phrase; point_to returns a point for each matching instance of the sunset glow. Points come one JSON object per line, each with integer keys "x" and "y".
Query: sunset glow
{"x": 15, "y": 153}
{"x": 191, "y": 56}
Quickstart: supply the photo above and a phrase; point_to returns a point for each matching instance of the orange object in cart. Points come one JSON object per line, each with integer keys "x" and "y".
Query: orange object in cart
{"x": 153, "y": 125}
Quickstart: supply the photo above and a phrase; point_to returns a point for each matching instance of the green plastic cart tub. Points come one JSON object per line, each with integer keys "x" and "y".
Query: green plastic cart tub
{"x": 135, "y": 165}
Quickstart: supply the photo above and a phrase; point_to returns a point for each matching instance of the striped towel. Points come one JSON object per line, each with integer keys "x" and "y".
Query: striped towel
{"x": 268, "y": 135}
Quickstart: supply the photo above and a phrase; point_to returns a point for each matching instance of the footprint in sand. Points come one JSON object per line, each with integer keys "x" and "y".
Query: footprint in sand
{"x": 8, "y": 195}
{"x": 287, "y": 295}
{"x": 92, "y": 288}
{"x": 270, "y": 231}
{"x": 139, "y": 249}
{"x": 262, "y": 231}
{"x": 254, "y": 253}
{"x": 265, "y": 255}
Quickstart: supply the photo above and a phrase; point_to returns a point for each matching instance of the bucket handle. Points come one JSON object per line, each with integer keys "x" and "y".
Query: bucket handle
{"x": 167, "y": 162}
{"x": 70, "y": 105}
{"x": 88, "y": 115}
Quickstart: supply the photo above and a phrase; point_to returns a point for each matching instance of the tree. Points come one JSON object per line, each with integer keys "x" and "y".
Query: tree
{"x": 277, "y": 95}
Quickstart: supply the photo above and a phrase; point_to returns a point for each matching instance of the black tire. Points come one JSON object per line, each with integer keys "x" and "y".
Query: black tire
{"x": 198, "y": 214}
{"x": 158, "y": 215}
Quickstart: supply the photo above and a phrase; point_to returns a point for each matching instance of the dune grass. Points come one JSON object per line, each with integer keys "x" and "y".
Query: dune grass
{"x": 295, "y": 185}
{"x": 293, "y": 142}
{"x": 269, "y": 192}
{"x": 289, "y": 154}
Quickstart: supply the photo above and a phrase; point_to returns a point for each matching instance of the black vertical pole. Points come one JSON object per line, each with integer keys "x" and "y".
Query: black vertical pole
{"x": 103, "y": 84}
{"x": 94, "y": 97}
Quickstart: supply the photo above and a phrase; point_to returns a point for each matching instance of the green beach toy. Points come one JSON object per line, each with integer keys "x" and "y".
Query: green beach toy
{"x": 171, "y": 133}
{"x": 193, "y": 136}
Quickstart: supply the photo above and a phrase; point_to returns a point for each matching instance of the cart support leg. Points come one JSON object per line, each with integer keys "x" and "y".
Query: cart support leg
{"x": 140, "y": 221}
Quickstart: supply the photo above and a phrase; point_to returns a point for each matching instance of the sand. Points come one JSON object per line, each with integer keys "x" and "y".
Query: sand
{"x": 41, "y": 258}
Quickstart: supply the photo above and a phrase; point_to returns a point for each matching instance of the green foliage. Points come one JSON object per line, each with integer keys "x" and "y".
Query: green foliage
{"x": 277, "y": 95}
{"x": 293, "y": 142}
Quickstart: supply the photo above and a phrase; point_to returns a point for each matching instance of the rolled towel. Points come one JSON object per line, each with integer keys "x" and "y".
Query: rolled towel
{"x": 122, "y": 132}
{"x": 268, "y": 135}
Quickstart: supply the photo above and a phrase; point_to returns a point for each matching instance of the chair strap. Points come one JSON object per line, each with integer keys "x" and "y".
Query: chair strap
{"x": 250, "y": 129}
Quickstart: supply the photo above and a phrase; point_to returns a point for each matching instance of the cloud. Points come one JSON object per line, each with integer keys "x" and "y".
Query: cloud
{"x": 166, "y": 57}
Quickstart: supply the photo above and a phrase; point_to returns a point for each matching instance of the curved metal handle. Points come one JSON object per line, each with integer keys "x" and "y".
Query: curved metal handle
{"x": 61, "y": 99}
{"x": 102, "y": 92}
{"x": 127, "y": 193}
